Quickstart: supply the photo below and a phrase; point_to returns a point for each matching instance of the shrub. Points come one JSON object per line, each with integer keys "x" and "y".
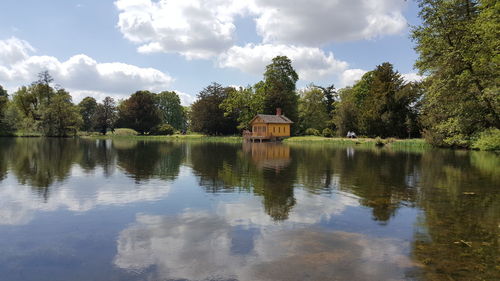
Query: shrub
{"x": 164, "y": 130}
{"x": 124, "y": 132}
{"x": 312, "y": 132}
{"x": 488, "y": 140}
{"x": 327, "y": 133}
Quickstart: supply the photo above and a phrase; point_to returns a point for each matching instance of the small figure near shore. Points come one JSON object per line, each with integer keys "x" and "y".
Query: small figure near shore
{"x": 351, "y": 135}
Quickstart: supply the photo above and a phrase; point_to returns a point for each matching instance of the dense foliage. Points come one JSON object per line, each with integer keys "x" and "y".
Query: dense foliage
{"x": 459, "y": 47}
{"x": 207, "y": 115}
{"x": 140, "y": 112}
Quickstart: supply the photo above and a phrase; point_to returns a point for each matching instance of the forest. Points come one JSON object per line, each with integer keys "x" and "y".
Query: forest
{"x": 457, "y": 104}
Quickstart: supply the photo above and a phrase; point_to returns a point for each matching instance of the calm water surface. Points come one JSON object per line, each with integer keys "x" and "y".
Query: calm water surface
{"x": 135, "y": 210}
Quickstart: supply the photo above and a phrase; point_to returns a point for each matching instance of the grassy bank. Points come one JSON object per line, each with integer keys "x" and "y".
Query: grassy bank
{"x": 361, "y": 141}
{"x": 187, "y": 137}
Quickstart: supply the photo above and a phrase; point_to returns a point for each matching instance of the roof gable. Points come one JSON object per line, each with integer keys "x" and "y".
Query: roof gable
{"x": 271, "y": 119}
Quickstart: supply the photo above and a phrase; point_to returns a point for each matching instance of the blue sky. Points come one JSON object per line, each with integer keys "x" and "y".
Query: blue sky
{"x": 99, "y": 48}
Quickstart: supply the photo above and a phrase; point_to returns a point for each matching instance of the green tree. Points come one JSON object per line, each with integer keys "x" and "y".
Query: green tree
{"x": 106, "y": 115}
{"x": 4, "y": 99}
{"x": 88, "y": 108}
{"x": 171, "y": 110}
{"x": 139, "y": 112}
{"x": 380, "y": 104}
{"x": 207, "y": 116}
{"x": 458, "y": 44}
{"x": 312, "y": 109}
{"x": 60, "y": 117}
{"x": 279, "y": 87}
{"x": 244, "y": 103}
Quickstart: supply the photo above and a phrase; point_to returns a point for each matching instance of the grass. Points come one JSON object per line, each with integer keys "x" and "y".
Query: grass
{"x": 176, "y": 137}
{"x": 360, "y": 141}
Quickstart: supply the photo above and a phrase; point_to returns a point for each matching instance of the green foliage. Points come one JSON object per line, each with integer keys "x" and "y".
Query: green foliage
{"x": 327, "y": 133}
{"x": 60, "y": 117}
{"x": 244, "y": 103}
{"x": 488, "y": 140}
{"x": 312, "y": 109}
{"x": 312, "y": 132}
{"x": 207, "y": 116}
{"x": 88, "y": 108}
{"x": 164, "y": 130}
{"x": 5, "y": 127}
{"x": 458, "y": 45}
{"x": 279, "y": 88}
{"x": 139, "y": 112}
{"x": 171, "y": 110}
{"x": 124, "y": 132}
{"x": 380, "y": 104}
{"x": 106, "y": 115}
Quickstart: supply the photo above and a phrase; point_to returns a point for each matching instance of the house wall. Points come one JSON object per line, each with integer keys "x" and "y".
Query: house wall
{"x": 267, "y": 130}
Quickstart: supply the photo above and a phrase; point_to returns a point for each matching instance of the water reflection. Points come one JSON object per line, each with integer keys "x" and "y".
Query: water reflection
{"x": 201, "y": 246}
{"x": 261, "y": 211}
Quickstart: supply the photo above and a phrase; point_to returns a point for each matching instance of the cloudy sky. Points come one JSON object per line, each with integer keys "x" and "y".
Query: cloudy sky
{"x": 105, "y": 47}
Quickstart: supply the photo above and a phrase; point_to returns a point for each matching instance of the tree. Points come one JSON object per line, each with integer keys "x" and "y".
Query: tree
{"x": 171, "y": 110}
{"x": 312, "y": 109}
{"x": 330, "y": 97}
{"x": 207, "y": 116}
{"x": 379, "y": 104}
{"x": 279, "y": 87}
{"x": 60, "y": 117}
{"x": 106, "y": 115}
{"x": 458, "y": 43}
{"x": 244, "y": 103}
{"x": 88, "y": 108}
{"x": 139, "y": 112}
{"x": 4, "y": 100}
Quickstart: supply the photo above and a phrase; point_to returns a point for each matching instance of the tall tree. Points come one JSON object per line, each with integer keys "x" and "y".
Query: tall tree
{"x": 279, "y": 87}
{"x": 88, "y": 108}
{"x": 106, "y": 115}
{"x": 140, "y": 112}
{"x": 312, "y": 109}
{"x": 206, "y": 114}
{"x": 458, "y": 44}
{"x": 244, "y": 103}
{"x": 60, "y": 117}
{"x": 171, "y": 110}
{"x": 330, "y": 97}
{"x": 4, "y": 99}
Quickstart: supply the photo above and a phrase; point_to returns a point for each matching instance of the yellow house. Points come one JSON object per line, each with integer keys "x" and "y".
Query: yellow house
{"x": 270, "y": 126}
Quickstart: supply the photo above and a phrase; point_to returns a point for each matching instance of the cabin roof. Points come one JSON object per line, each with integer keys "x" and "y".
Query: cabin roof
{"x": 273, "y": 119}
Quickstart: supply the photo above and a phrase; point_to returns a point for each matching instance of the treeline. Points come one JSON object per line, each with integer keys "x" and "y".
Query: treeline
{"x": 40, "y": 109}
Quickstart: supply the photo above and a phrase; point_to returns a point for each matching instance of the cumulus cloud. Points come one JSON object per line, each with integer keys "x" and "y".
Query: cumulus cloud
{"x": 203, "y": 28}
{"x": 310, "y": 63}
{"x": 412, "y": 77}
{"x": 350, "y": 77}
{"x": 193, "y": 28}
{"x": 80, "y": 74}
{"x": 14, "y": 50}
{"x": 316, "y": 22}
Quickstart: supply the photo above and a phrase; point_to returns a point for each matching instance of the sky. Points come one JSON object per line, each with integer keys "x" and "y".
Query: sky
{"x": 113, "y": 48}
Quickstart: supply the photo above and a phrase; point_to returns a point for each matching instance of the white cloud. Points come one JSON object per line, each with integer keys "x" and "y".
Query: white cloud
{"x": 310, "y": 63}
{"x": 316, "y": 22}
{"x": 350, "y": 77}
{"x": 412, "y": 77}
{"x": 80, "y": 74}
{"x": 14, "y": 50}
{"x": 193, "y": 28}
{"x": 206, "y": 28}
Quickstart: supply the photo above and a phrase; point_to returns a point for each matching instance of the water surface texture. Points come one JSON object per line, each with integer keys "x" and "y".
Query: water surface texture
{"x": 75, "y": 209}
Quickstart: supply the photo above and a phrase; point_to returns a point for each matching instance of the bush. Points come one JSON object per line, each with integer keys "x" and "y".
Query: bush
{"x": 124, "y": 132}
{"x": 312, "y": 132}
{"x": 164, "y": 130}
{"x": 327, "y": 133}
{"x": 488, "y": 140}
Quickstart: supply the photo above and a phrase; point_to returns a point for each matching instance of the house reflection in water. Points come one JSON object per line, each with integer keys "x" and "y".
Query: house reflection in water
{"x": 269, "y": 155}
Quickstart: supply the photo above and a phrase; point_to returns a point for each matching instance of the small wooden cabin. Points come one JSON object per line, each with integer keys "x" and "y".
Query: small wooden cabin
{"x": 270, "y": 127}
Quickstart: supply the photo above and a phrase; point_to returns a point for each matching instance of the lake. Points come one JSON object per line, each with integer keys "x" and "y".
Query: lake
{"x": 80, "y": 209}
